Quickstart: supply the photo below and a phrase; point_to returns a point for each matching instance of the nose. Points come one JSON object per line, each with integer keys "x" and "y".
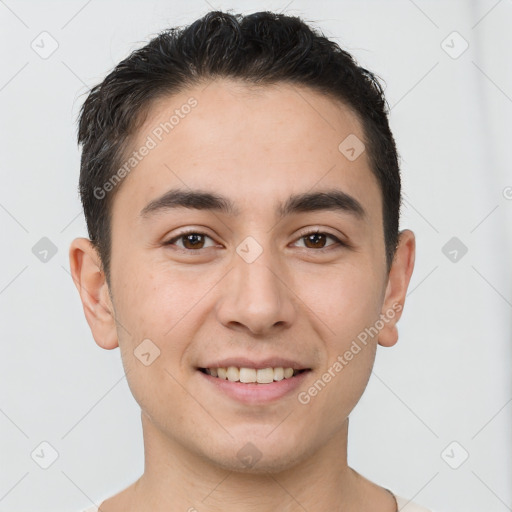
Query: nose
{"x": 257, "y": 297}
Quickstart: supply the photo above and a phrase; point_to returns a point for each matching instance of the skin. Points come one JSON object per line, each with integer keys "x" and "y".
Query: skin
{"x": 256, "y": 146}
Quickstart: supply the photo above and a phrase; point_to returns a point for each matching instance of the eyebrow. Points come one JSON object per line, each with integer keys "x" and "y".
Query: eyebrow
{"x": 326, "y": 200}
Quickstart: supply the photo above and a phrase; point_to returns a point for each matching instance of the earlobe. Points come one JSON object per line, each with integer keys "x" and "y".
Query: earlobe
{"x": 85, "y": 266}
{"x": 396, "y": 290}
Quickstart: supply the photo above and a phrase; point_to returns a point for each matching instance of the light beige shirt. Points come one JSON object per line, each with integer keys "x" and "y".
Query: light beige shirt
{"x": 404, "y": 505}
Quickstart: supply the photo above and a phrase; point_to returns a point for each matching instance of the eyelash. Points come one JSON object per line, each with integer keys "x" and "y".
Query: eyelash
{"x": 339, "y": 243}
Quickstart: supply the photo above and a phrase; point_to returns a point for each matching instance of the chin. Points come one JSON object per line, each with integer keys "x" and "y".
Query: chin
{"x": 276, "y": 463}
{"x": 260, "y": 454}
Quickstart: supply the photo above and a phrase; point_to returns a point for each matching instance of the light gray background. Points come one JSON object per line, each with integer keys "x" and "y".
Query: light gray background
{"x": 447, "y": 379}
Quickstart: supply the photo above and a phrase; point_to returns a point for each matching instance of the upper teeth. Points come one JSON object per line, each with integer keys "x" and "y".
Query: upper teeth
{"x": 261, "y": 376}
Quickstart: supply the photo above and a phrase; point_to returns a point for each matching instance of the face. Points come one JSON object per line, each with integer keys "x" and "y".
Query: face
{"x": 265, "y": 278}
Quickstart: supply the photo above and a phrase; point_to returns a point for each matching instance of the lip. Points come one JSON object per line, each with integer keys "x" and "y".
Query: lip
{"x": 254, "y": 393}
{"x": 244, "y": 362}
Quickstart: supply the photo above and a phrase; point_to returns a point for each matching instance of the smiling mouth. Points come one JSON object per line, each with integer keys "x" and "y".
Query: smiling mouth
{"x": 252, "y": 375}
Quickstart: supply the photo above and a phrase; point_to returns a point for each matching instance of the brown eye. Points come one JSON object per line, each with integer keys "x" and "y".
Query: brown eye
{"x": 191, "y": 240}
{"x": 317, "y": 240}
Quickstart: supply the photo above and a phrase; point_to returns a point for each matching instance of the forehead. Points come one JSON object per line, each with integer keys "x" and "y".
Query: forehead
{"x": 256, "y": 144}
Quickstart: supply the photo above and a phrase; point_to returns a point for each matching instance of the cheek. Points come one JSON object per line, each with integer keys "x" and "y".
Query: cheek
{"x": 151, "y": 311}
{"x": 152, "y": 300}
{"x": 347, "y": 299}
{"x": 347, "y": 302}
{"x": 163, "y": 304}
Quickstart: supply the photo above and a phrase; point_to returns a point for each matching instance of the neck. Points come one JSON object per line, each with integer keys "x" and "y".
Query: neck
{"x": 176, "y": 479}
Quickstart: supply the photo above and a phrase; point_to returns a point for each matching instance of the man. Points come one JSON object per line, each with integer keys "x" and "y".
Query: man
{"x": 241, "y": 189}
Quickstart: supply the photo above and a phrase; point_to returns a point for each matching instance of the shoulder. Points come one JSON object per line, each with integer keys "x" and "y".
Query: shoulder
{"x": 405, "y": 505}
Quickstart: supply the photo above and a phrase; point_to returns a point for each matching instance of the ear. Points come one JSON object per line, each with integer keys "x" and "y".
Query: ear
{"x": 398, "y": 282}
{"x": 89, "y": 278}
